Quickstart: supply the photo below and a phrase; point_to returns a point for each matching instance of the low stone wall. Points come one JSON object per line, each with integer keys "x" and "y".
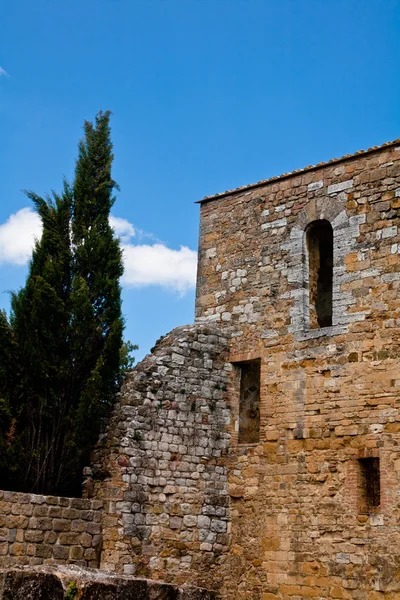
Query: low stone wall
{"x": 37, "y": 530}
{"x": 58, "y": 583}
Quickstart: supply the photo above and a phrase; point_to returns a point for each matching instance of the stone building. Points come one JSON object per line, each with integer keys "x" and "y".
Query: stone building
{"x": 256, "y": 453}
{"x": 305, "y": 268}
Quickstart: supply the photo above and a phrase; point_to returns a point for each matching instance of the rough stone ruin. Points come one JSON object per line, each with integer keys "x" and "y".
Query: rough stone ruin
{"x": 255, "y": 453}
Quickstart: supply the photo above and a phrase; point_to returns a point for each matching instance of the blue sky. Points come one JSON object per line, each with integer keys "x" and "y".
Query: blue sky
{"x": 206, "y": 95}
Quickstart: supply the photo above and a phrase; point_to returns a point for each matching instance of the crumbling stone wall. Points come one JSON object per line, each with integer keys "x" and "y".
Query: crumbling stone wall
{"x": 161, "y": 468}
{"x": 329, "y": 396}
{"x": 36, "y": 530}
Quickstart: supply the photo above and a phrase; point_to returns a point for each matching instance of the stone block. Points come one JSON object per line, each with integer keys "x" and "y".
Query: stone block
{"x": 44, "y": 551}
{"x": 60, "y": 553}
{"x": 69, "y": 538}
{"x": 31, "y": 586}
{"x": 61, "y": 525}
{"x": 34, "y": 536}
{"x": 76, "y": 553}
{"x": 85, "y": 540}
{"x": 44, "y": 523}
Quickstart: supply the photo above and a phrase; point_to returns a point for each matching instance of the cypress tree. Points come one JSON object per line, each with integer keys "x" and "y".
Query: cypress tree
{"x": 65, "y": 331}
{"x": 96, "y": 295}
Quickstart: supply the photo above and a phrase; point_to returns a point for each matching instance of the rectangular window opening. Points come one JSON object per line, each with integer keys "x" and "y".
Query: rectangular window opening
{"x": 249, "y": 403}
{"x": 369, "y": 485}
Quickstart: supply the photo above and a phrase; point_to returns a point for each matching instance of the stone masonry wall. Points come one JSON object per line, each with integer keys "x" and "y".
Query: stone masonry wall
{"x": 160, "y": 470}
{"x": 329, "y": 398}
{"x": 37, "y": 530}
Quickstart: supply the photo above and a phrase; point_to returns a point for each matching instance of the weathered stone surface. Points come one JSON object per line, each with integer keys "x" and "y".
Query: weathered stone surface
{"x": 52, "y": 583}
{"x": 31, "y": 586}
{"x": 140, "y": 590}
{"x": 166, "y": 495}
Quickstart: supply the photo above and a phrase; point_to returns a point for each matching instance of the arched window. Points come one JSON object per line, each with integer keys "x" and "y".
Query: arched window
{"x": 319, "y": 237}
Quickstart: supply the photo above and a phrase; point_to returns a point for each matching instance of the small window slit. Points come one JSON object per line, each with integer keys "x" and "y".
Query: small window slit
{"x": 249, "y": 403}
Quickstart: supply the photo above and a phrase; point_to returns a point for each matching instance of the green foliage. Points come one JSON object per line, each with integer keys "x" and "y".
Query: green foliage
{"x": 61, "y": 353}
{"x": 8, "y": 379}
{"x": 71, "y": 591}
{"x": 126, "y": 359}
{"x": 137, "y": 436}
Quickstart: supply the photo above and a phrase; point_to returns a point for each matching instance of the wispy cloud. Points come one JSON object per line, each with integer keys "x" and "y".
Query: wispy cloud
{"x": 3, "y": 72}
{"x": 125, "y": 230}
{"x": 145, "y": 264}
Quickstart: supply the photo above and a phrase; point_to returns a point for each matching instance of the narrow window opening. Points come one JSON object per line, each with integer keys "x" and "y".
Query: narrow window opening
{"x": 249, "y": 404}
{"x": 320, "y": 263}
{"x": 369, "y": 485}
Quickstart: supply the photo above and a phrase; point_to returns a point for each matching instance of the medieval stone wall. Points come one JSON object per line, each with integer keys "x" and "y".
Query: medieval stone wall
{"x": 329, "y": 396}
{"x": 37, "y": 530}
{"x": 161, "y": 467}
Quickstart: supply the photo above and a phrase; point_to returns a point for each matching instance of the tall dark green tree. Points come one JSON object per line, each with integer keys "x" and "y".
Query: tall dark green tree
{"x": 8, "y": 380}
{"x": 61, "y": 362}
{"x": 96, "y": 295}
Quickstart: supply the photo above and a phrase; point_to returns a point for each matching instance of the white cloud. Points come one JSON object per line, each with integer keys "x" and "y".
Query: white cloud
{"x": 158, "y": 265}
{"x": 17, "y": 236}
{"x": 122, "y": 227}
{"x": 145, "y": 264}
{"x": 3, "y": 72}
{"x": 154, "y": 264}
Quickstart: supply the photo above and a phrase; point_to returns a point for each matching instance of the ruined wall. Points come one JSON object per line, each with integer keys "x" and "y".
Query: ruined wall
{"x": 161, "y": 469}
{"x": 36, "y": 530}
{"x": 330, "y": 396}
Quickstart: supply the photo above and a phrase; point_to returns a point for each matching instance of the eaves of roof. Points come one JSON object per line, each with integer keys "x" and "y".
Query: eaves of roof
{"x": 320, "y": 165}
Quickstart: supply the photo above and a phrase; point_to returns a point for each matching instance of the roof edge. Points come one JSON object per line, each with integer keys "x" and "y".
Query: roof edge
{"x": 308, "y": 169}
